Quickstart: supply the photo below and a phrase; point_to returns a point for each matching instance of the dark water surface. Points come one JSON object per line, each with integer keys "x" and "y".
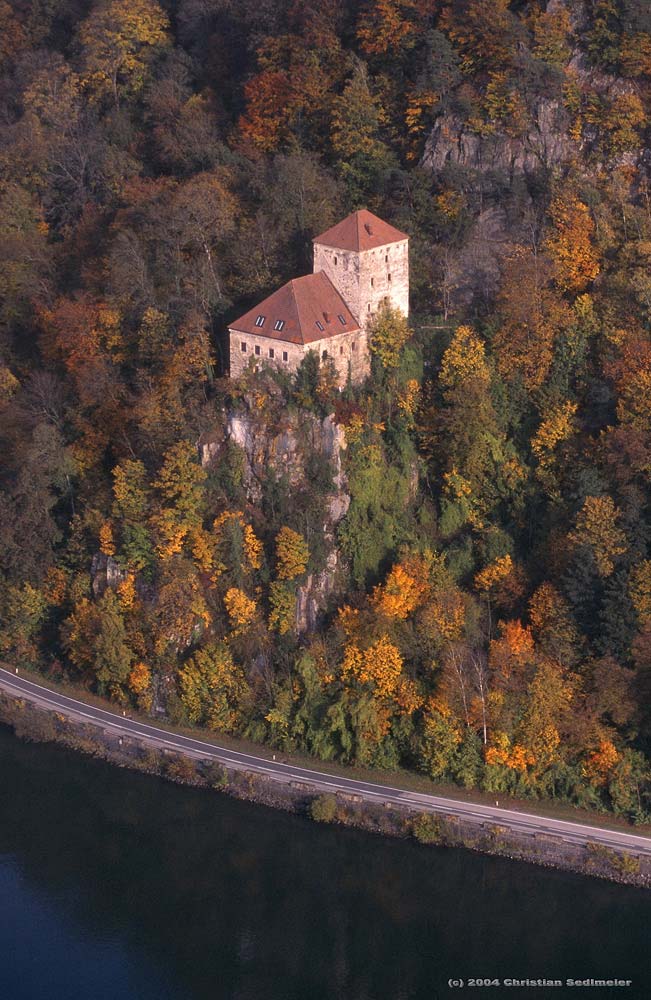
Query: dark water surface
{"x": 116, "y": 885}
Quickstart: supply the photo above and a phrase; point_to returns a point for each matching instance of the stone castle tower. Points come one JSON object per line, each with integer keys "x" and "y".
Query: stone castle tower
{"x": 360, "y": 265}
{"x": 367, "y": 261}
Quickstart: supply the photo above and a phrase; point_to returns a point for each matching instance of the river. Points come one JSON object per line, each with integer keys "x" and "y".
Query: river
{"x": 116, "y": 885}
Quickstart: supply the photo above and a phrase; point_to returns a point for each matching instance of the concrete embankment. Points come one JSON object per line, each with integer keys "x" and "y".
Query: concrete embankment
{"x": 33, "y": 721}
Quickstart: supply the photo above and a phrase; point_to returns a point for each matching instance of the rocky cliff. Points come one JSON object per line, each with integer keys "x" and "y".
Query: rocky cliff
{"x": 286, "y": 448}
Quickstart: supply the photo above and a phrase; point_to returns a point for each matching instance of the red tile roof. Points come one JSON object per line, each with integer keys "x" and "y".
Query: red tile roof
{"x": 360, "y": 231}
{"x": 300, "y": 305}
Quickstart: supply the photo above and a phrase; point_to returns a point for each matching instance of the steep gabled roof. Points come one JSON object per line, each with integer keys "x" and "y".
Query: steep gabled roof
{"x": 308, "y": 308}
{"x": 360, "y": 231}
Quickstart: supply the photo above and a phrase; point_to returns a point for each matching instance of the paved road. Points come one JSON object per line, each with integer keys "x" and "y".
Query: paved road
{"x": 287, "y": 772}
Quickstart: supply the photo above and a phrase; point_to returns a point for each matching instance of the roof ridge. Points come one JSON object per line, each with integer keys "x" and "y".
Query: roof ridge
{"x": 297, "y": 309}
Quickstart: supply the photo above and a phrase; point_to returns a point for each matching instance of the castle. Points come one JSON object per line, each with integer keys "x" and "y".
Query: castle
{"x": 360, "y": 264}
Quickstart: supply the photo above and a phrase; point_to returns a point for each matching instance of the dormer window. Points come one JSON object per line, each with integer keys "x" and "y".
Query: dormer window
{"x": 279, "y": 324}
{"x": 320, "y": 326}
{"x": 341, "y": 319}
{"x": 368, "y": 228}
{"x": 326, "y": 317}
{"x": 259, "y": 320}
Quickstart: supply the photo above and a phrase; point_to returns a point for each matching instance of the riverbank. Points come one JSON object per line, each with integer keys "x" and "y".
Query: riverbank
{"x": 245, "y": 779}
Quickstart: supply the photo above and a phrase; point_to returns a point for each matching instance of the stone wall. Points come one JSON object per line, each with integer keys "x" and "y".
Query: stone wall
{"x": 389, "y": 818}
{"x": 239, "y": 359}
{"x": 347, "y": 350}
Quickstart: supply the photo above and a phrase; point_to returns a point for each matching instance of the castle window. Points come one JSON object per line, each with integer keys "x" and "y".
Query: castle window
{"x": 259, "y": 321}
{"x": 284, "y": 355}
{"x": 272, "y": 353}
{"x": 353, "y": 346}
{"x": 341, "y": 349}
{"x": 386, "y": 259}
{"x": 372, "y": 282}
{"x": 257, "y": 349}
{"x": 320, "y": 326}
{"x": 243, "y": 346}
{"x": 335, "y": 261}
{"x": 341, "y": 319}
{"x": 389, "y": 277}
{"x": 369, "y": 307}
{"x": 324, "y": 356}
{"x": 279, "y": 324}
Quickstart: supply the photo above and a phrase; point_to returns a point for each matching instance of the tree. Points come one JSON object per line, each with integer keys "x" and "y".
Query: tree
{"x": 95, "y": 639}
{"x": 180, "y": 488}
{"x": 464, "y": 360}
{"x": 241, "y": 610}
{"x": 405, "y": 588}
{"x": 118, "y": 41}
{"x": 213, "y": 688}
{"x": 570, "y": 244}
{"x": 292, "y": 554}
{"x": 596, "y": 529}
{"x": 388, "y": 334}
{"x": 131, "y": 508}
{"x": 379, "y": 666}
{"x": 23, "y": 612}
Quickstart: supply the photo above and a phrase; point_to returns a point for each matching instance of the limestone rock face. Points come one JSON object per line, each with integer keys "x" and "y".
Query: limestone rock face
{"x": 105, "y": 574}
{"x": 546, "y": 144}
{"x": 284, "y": 450}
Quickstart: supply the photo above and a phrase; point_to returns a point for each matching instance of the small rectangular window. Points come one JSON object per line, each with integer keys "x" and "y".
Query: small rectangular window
{"x": 284, "y": 355}
{"x": 335, "y": 261}
{"x": 341, "y": 349}
{"x": 353, "y": 346}
{"x": 257, "y": 349}
{"x": 320, "y": 326}
{"x": 372, "y": 282}
{"x": 386, "y": 259}
{"x": 341, "y": 319}
{"x": 389, "y": 277}
{"x": 272, "y": 353}
{"x": 369, "y": 307}
{"x": 279, "y": 324}
{"x": 260, "y": 320}
{"x": 243, "y": 347}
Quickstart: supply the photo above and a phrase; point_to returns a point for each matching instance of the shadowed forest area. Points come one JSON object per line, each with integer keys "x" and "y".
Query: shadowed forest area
{"x": 447, "y": 568}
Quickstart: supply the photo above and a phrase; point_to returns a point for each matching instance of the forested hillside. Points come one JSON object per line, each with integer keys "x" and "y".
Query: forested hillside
{"x": 447, "y": 568}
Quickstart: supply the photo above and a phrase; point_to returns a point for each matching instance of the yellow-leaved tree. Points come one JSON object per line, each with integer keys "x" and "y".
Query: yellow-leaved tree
{"x": 570, "y": 244}
{"x": 292, "y": 554}
{"x": 213, "y": 688}
{"x": 118, "y": 41}
{"x": 389, "y": 333}
{"x": 596, "y": 529}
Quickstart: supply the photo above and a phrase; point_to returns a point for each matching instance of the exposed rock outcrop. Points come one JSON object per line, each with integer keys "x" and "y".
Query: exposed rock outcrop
{"x": 285, "y": 451}
{"x": 545, "y": 145}
{"x": 105, "y": 574}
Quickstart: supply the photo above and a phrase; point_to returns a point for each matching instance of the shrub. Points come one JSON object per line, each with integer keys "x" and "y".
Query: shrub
{"x": 324, "y": 809}
{"x": 427, "y": 829}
